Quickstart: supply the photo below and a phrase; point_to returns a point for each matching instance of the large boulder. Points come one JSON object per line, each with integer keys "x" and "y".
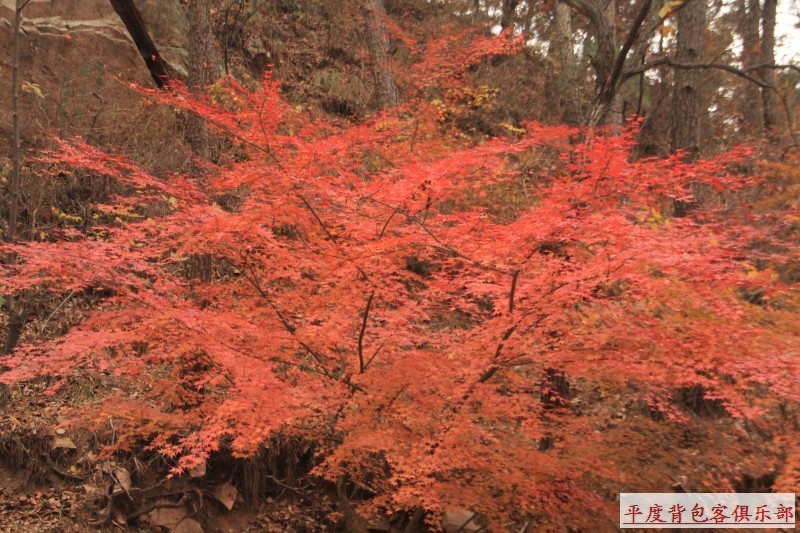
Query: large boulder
{"x": 78, "y": 56}
{"x": 72, "y": 54}
{"x": 168, "y": 27}
{"x": 160, "y": 30}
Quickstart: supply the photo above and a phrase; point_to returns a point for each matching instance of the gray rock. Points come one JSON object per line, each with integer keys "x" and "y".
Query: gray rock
{"x": 168, "y": 28}
{"x": 70, "y": 53}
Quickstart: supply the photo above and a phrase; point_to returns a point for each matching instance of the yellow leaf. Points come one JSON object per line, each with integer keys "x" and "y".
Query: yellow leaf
{"x": 32, "y": 88}
{"x": 670, "y": 7}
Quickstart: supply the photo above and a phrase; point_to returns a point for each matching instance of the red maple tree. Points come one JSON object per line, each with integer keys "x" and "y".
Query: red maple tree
{"x": 370, "y": 293}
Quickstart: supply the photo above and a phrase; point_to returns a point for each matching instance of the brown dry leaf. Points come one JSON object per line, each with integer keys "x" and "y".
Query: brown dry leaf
{"x": 198, "y": 471}
{"x": 64, "y": 443}
{"x": 226, "y": 495}
{"x": 122, "y": 480}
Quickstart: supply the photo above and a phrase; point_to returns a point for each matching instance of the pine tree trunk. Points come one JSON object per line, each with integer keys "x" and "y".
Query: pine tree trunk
{"x": 202, "y": 70}
{"x": 603, "y": 109}
{"x": 751, "y": 55}
{"x": 508, "y": 13}
{"x": 686, "y": 91}
{"x": 17, "y": 313}
{"x": 14, "y": 182}
{"x": 386, "y": 92}
{"x": 613, "y": 115}
{"x": 768, "y": 99}
{"x": 562, "y": 87}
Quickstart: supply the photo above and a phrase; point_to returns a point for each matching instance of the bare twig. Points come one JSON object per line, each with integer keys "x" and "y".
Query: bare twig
{"x": 514, "y": 278}
{"x": 44, "y": 325}
{"x": 374, "y": 355}
{"x": 383, "y": 230}
{"x": 361, "y": 365}
{"x": 319, "y": 220}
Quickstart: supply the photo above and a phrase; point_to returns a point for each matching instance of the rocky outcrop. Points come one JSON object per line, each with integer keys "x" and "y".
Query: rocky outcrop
{"x": 73, "y": 52}
{"x": 160, "y": 29}
{"x": 168, "y": 27}
{"x": 70, "y": 53}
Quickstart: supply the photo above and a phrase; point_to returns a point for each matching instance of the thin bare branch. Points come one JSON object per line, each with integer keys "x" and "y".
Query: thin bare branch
{"x": 514, "y": 279}
{"x": 361, "y": 365}
{"x": 319, "y": 220}
{"x": 668, "y": 61}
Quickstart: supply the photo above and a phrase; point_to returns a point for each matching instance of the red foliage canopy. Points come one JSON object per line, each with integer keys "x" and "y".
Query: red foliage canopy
{"x": 369, "y": 295}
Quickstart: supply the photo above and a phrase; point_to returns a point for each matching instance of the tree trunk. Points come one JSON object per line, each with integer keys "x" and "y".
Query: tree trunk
{"x": 14, "y": 307}
{"x": 562, "y": 87}
{"x": 508, "y": 15}
{"x": 600, "y": 111}
{"x": 768, "y": 99}
{"x": 613, "y": 114}
{"x": 202, "y": 70}
{"x": 385, "y": 85}
{"x": 686, "y": 91}
{"x": 605, "y": 41}
{"x": 16, "y": 321}
{"x": 751, "y": 55}
{"x": 354, "y": 522}
{"x": 14, "y": 182}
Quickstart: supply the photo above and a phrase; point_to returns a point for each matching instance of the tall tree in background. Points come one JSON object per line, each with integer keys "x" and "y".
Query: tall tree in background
{"x": 750, "y": 11}
{"x": 686, "y": 93}
{"x": 17, "y": 312}
{"x": 604, "y": 55}
{"x": 386, "y": 92}
{"x": 202, "y": 69}
{"x": 562, "y": 87}
{"x": 615, "y": 106}
{"x": 509, "y": 12}
{"x": 610, "y": 58}
{"x": 768, "y": 99}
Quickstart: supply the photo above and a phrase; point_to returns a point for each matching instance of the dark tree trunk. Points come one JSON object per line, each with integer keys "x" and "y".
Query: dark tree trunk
{"x": 14, "y": 307}
{"x": 16, "y": 321}
{"x": 605, "y": 39}
{"x": 14, "y": 182}
{"x": 386, "y": 92}
{"x": 562, "y": 88}
{"x": 768, "y": 99}
{"x": 614, "y": 112}
{"x": 602, "y": 18}
{"x": 686, "y": 91}
{"x": 355, "y": 523}
{"x": 751, "y": 55}
{"x": 202, "y": 70}
{"x": 508, "y": 14}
